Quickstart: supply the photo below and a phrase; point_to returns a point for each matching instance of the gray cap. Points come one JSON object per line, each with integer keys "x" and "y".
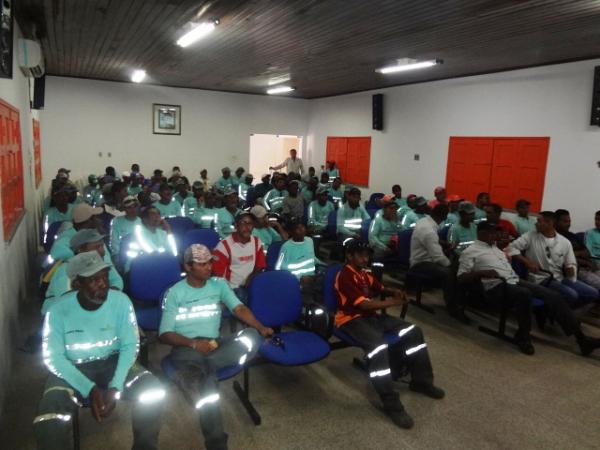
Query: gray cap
{"x": 258, "y": 211}
{"x": 420, "y": 201}
{"x": 84, "y": 236}
{"x": 85, "y": 264}
{"x": 197, "y": 253}
{"x": 130, "y": 200}
{"x": 466, "y": 207}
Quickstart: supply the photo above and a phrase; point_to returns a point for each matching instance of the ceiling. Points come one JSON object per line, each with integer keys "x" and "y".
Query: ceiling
{"x": 327, "y": 47}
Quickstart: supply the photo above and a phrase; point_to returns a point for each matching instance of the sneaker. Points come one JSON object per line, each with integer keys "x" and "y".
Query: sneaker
{"x": 525, "y": 345}
{"x": 588, "y": 344}
{"x": 427, "y": 389}
{"x": 400, "y": 417}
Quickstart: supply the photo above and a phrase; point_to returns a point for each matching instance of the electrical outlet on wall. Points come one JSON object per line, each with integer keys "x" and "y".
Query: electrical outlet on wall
{"x": 417, "y": 157}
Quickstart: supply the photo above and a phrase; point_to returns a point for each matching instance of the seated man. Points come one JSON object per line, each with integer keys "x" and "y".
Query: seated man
{"x": 240, "y": 256}
{"x": 206, "y": 216}
{"x": 357, "y": 291}
{"x": 60, "y": 209}
{"x": 273, "y": 200}
{"x": 238, "y": 177}
{"x": 592, "y": 238}
{"x": 397, "y": 192}
{"x": 350, "y": 216}
{"x": 412, "y": 216}
{"x": 263, "y": 187}
{"x": 484, "y": 261}
{"x": 439, "y": 197}
{"x": 190, "y": 324}
{"x": 245, "y": 184}
{"x": 86, "y": 240}
{"x": 226, "y": 182}
{"x": 383, "y": 235}
{"x": 309, "y": 176}
{"x": 336, "y": 191}
{"x": 124, "y": 225}
{"x": 183, "y": 192}
{"x": 91, "y": 190}
{"x": 454, "y": 202}
{"x": 523, "y": 222}
{"x": 153, "y": 235}
{"x": 318, "y": 212}
{"x": 463, "y": 233}
{"x": 167, "y": 205}
{"x": 226, "y": 215}
{"x": 293, "y": 204}
{"x": 506, "y": 230}
{"x": 427, "y": 256}
{"x": 483, "y": 198}
{"x": 194, "y": 201}
{"x": 90, "y": 344}
{"x": 268, "y": 231}
{"x": 547, "y": 250}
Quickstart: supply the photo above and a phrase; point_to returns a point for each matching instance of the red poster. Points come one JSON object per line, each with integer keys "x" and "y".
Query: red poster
{"x": 37, "y": 153}
{"x": 11, "y": 168}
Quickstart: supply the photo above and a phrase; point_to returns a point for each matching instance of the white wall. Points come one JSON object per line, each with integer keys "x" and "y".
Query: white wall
{"x": 17, "y": 257}
{"x": 550, "y": 101}
{"x": 85, "y": 117}
{"x": 268, "y": 150}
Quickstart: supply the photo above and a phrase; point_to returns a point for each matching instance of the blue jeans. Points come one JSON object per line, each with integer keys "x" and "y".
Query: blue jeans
{"x": 574, "y": 291}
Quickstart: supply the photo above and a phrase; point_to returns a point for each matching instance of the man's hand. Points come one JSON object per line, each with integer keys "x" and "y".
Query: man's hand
{"x": 271, "y": 168}
{"x": 203, "y": 346}
{"x": 266, "y": 332}
{"x": 109, "y": 398}
{"x": 532, "y": 266}
{"x": 97, "y": 402}
{"x": 165, "y": 225}
{"x": 491, "y": 273}
{"x": 399, "y": 298}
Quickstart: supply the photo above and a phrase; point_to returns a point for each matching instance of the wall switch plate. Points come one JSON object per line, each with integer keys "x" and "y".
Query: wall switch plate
{"x": 417, "y": 157}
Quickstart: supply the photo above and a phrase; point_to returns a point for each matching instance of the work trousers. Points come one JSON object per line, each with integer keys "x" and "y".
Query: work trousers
{"x": 574, "y": 291}
{"x": 53, "y": 425}
{"x": 443, "y": 277}
{"x": 519, "y": 297}
{"x": 590, "y": 277}
{"x": 197, "y": 377}
{"x": 387, "y": 362}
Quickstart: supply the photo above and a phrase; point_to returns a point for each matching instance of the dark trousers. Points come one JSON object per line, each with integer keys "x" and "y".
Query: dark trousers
{"x": 519, "y": 297}
{"x": 386, "y": 363}
{"x": 556, "y": 305}
{"x": 197, "y": 377}
{"x": 53, "y": 424}
{"x": 442, "y": 277}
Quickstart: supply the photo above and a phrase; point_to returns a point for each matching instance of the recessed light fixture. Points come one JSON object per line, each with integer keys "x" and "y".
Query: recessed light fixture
{"x": 138, "y": 76}
{"x": 198, "y": 32}
{"x": 280, "y": 90}
{"x": 278, "y": 80}
{"x": 406, "y": 64}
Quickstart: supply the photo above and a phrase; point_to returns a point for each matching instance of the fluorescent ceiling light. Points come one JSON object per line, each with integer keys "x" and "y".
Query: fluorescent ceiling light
{"x": 280, "y": 90}
{"x": 197, "y": 33}
{"x": 279, "y": 80}
{"x": 138, "y": 76}
{"x": 406, "y": 64}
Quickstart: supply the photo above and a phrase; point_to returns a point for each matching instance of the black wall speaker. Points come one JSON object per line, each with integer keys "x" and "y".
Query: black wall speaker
{"x": 596, "y": 98}
{"x": 39, "y": 88}
{"x": 378, "y": 112}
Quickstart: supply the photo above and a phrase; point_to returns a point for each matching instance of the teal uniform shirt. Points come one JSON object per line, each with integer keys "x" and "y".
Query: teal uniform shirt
{"x": 592, "y": 242}
{"x": 307, "y": 195}
{"x": 298, "y": 258}
{"x": 336, "y": 195}
{"x": 243, "y": 190}
{"x": 223, "y": 183}
{"x": 62, "y": 250}
{"x": 267, "y": 236}
{"x": 225, "y": 222}
{"x": 450, "y": 220}
{"x": 90, "y": 193}
{"x": 318, "y": 216}
{"x": 524, "y": 224}
{"x": 134, "y": 190}
{"x": 196, "y": 312}
{"x": 180, "y": 199}
{"x": 274, "y": 200}
{"x": 205, "y": 217}
{"x": 54, "y": 215}
{"x": 190, "y": 205}
{"x": 333, "y": 174}
{"x": 401, "y": 202}
{"x": 401, "y": 212}
{"x": 73, "y": 335}
{"x": 462, "y": 236}
{"x": 349, "y": 221}
{"x": 61, "y": 284}
{"x": 171, "y": 209}
{"x": 381, "y": 232}
{"x": 410, "y": 219}
{"x": 479, "y": 214}
{"x": 237, "y": 181}
{"x": 119, "y": 228}
{"x": 144, "y": 241}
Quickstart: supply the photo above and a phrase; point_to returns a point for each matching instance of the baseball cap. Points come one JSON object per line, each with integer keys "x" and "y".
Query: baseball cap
{"x": 420, "y": 201}
{"x": 388, "y": 200}
{"x": 83, "y": 212}
{"x": 92, "y": 177}
{"x": 455, "y": 198}
{"x": 225, "y": 169}
{"x": 467, "y": 207}
{"x": 239, "y": 216}
{"x": 62, "y": 175}
{"x": 197, "y": 253}
{"x": 354, "y": 190}
{"x": 130, "y": 200}
{"x": 154, "y": 197}
{"x": 62, "y": 169}
{"x": 438, "y": 190}
{"x": 258, "y": 211}
{"x": 265, "y": 175}
{"x": 84, "y": 236}
{"x": 197, "y": 185}
{"x": 522, "y": 202}
{"x": 85, "y": 264}
{"x": 126, "y": 174}
{"x": 356, "y": 245}
{"x": 322, "y": 190}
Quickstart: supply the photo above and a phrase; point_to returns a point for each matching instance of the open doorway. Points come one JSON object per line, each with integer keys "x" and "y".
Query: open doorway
{"x": 271, "y": 150}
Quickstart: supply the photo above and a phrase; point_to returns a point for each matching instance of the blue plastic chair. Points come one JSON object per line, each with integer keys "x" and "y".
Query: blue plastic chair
{"x": 50, "y": 236}
{"x": 580, "y": 237}
{"x": 443, "y": 233}
{"x": 332, "y": 224}
{"x": 364, "y": 229}
{"x": 273, "y": 254}
{"x": 204, "y": 236}
{"x": 180, "y": 226}
{"x": 372, "y": 203}
{"x": 274, "y": 298}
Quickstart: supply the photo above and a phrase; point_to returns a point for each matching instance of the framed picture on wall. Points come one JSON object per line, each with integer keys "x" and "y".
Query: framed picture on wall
{"x": 6, "y": 39}
{"x": 166, "y": 119}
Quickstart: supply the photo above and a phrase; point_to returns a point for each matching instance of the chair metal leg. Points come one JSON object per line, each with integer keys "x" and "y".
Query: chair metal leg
{"x": 417, "y": 301}
{"x": 244, "y": 396}
{"x": 403, "y": 311}
{"x": 501, "y": 332}
{"x": 360, "y": 364}
{"x": 75, "y": 425}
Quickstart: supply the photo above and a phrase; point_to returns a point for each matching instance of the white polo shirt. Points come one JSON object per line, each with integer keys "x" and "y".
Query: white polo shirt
{"x": 481, "y": 256}
{"x": 425, "y": 244}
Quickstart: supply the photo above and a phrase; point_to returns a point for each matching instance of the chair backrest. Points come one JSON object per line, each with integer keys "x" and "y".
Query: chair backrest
{"x": 151, "y": 275}
{"x": 332, "y": 223}
{"x": 180, "y": 226}
{"x": 204, "y": 236}
{"x": 372, "y": 212}
{"x": 50, "y": 236}
{"x": 580, "y": 237}
{"x": 372, "y": 203}
{"x": 404, "y": 238}
{"x": 443, "y": 233}
{"x": 274, "y": 298}
{"x": 273, "y": 254}
{"x": 364, "y": 229}
{"x": 519, "y": 268}
{"x": 329, "y": 296}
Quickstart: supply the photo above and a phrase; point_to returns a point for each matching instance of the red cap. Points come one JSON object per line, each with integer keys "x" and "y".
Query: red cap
{"x": 454, "y": 198}
{"x": 439, "y": 189}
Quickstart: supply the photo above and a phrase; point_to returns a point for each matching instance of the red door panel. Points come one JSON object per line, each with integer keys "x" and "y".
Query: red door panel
{"x": 469, "y": 166}
{"x": 336, "y": 151}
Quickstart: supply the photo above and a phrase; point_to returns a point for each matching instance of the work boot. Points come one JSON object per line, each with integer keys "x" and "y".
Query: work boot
{"x": 587, "y": 344}
{"x": 427, "y": 389}
{"x": 400, "y": 417}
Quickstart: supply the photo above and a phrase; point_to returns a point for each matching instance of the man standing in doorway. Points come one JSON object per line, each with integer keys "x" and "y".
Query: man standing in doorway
{"x": 292, "y": 164}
